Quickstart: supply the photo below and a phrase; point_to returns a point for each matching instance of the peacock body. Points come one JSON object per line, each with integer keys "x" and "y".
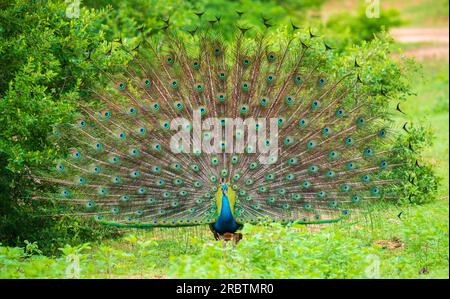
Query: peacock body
{"x": 155, "y": 148}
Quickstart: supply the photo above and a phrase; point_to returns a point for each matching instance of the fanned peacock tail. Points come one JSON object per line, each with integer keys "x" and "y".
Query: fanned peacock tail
{"x": 334, "y": 150}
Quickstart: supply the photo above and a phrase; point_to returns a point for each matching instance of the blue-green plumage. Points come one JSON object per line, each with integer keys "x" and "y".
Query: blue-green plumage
{"x": 225, "y": 222}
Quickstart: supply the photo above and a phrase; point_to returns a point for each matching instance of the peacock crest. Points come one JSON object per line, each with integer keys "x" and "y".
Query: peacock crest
{"x": 294, "y": 139}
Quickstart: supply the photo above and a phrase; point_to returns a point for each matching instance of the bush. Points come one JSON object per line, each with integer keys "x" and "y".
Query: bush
{"x": 45, "y": 55}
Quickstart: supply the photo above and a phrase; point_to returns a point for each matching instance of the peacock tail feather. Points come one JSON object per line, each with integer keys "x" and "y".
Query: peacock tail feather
{"x": 334, "y": 147}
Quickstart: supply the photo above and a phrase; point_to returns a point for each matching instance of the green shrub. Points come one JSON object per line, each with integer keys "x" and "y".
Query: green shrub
{"x": 45, "y": 69}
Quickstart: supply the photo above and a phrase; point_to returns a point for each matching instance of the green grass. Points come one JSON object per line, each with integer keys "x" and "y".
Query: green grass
{"x": 430, "y": 107}
{"x": 379, "y": 245}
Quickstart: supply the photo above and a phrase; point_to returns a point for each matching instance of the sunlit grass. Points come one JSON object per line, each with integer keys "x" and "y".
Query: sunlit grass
{"x": 430, "y": 107}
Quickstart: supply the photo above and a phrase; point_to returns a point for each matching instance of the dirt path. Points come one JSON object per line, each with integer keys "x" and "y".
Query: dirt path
{"x": 437, "y": 38}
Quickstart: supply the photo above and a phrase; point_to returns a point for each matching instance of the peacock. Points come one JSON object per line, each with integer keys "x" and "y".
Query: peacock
{"x": 198, "y": 130}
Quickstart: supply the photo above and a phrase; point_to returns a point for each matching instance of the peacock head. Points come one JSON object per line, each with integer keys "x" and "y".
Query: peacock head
{"x": 224, "y": 188}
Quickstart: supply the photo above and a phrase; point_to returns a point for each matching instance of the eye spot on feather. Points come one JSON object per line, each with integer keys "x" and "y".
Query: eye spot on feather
{"x": 102, "y": 191}
{"x": 375, "y": 191}
{"x": 345, "y": 188}
{"x": 288, "y": 100}
{"x": 333, "y": 154}
{"x": 199, "y": 87}
{"x": 122, "y": 86}
{"x": 202, "y": 110}
{"x": 65, "y": 193}
{"x": 169, "y": 59}
{"x": 311, "y": 144}
{"x": 292, "y": 161}
{"x": 217, "y": 51}
{"x": 340, "y": 112}
{"x": 106, "y": 114}
{"x": 263, "y": 102}
{"x": 271, "y": 57}
{"x": 179, "y": 106}
{"x": 244, "y": 109}
{"x": 132, "y": 111}
{"x": 76, "y": 154}
{"x": 313, "y": 169}
{"x": 214, "y": 161}
{"x": 253, "y": 165}
{"x": 156, "y": 147}
{"x": 135, "y": 173}
{"x": 360, "y": 121}
{"x": 59, "y": 167}
{"x": 155, "y": 107}
{"x": 356, "y": 198}
{"x": 288, "y": 140}
{"x": 121, "y": 136}
{"x": 147, "y": 83}
{"x": 368, "y": 152}
{"x": 270, "y": 176}
{"x": 196, "y": 65}
{"x": 290, "y": 176}
{"x": 302, "y": 123}
{"x": 221, "y": 97}
{"x": 246, "y": 61}
{"x": 349, "y": 141}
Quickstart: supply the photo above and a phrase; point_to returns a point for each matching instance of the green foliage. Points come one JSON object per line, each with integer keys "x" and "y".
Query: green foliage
{"x": 349, "y": 28}
{"x": 46, "y": 69}
{"x": 375, "y": 245}
{"x": 379, "y": 246}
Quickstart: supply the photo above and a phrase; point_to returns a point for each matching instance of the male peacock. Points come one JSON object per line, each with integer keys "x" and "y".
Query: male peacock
{"x": 181, "y": 137}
